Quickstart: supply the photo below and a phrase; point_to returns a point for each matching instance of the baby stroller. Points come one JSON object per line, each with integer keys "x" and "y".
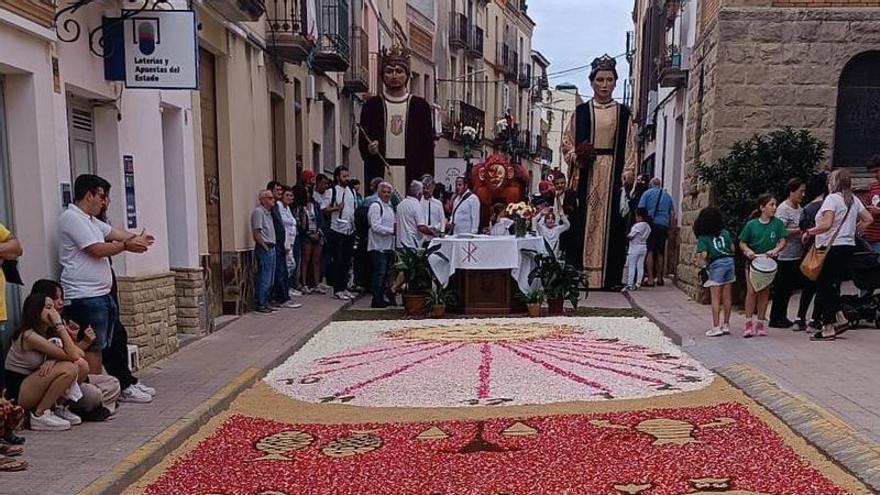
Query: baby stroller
{"x": 864, "y": 269}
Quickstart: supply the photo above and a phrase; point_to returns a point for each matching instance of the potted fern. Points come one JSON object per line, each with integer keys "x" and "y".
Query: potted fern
{"x": 417, "y": 277}
{"x": 560, "y": 281}
{"x": 533, "y": 299}
{"x": 438, "y": 299}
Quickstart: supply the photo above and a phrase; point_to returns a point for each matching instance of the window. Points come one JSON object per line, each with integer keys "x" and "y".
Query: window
{"x": 857, "y": 129}
{"x": 81, "y": 132}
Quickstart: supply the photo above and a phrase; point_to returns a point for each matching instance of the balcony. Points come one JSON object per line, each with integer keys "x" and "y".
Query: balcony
{"x": 287, "y": 37}
{"x": 460, "y": 114}
{"x": 458, "y": 31}
{"x": 475, "y": 42}
{"x": 525, "y": 76}
{"x": 357, "y": 77}
{"x": 240, "y": 10}
{"x": 502, "y": 53}
{"x": 511, "y": 66}
{"x": 333, "y": 51}
{"x": 41, "y": 12}
{"x": 671, "y": 74}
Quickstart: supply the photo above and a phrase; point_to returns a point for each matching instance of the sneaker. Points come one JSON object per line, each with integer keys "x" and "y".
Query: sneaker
{"x": 64, "y": 413}
{"x": 294, "y": 293}
{"x": 134, "y": 395}
{"x": 748, "y": 329}
{"x": 265, "y": 310}
{"x": 319, "y": 290}
{"x": 351, "y": 295}
{"x": 725, "y": 329}
{"x": 306, "y": 290}
{"x": 342, "y": 296}
{"x": 145, "y": 389}
{"x": 48, "y": 421}
{"x": 799, "y": 326}
{"x": 760, "y": 331}
{"x": 291, "y": 305}
{"x": 714, "y": 332}
{"x": 324, "y": 287}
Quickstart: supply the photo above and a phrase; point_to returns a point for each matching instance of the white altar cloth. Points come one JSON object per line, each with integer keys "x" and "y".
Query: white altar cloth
{"x": 482, "y": 252}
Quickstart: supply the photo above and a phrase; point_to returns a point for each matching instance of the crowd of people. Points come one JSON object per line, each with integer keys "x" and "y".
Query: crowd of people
{"x": 807, "y": 241}
{"x": 67, "y": 360}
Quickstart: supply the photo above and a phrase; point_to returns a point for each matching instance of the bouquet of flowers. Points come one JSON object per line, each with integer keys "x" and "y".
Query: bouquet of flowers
{"x": 520, "y": 210}
{"x": 586, "y": 153}
{"x": 522, "y": 213}
{"x": 469, "y": 132}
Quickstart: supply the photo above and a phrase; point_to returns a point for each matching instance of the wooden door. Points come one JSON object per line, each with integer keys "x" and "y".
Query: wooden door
{"x": 212, "y": 265}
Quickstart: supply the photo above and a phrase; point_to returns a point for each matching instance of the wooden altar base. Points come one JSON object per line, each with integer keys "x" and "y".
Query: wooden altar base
{"x": 485, "y": 292}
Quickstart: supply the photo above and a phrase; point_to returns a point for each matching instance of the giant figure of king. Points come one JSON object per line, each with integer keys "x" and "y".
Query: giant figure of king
{"x": 396, "y": 137}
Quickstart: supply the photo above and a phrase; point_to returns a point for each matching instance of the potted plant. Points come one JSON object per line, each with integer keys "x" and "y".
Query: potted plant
{"x": 417, "y": 277}
{"x": 560, "y": 281}
{"x": 533, "y": 299}
{"x": 438, "y": 299}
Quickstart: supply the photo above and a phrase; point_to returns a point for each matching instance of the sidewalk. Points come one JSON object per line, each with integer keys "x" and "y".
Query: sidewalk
{"x": 839, "y": 376}
{"x": 65, "y": 462}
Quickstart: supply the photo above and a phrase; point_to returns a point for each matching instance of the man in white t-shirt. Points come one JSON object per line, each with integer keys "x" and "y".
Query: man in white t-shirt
{"x": 339, "y": 203}
{"x": 411, "y": 221}
{"x": 465, "y": 218}
{"x": 84, "y": 249}
{"x": 433, "y": 208}
{"x": 380, "y": 242}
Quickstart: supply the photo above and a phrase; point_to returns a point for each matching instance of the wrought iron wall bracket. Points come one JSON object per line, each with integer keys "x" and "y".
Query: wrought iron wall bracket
{"x": 69, "y": 30}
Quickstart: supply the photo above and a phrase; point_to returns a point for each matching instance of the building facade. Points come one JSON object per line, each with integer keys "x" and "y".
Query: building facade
{"x": 558, "y": 106}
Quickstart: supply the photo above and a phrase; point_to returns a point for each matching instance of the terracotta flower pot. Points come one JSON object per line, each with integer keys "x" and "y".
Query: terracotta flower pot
{"x": 534, "y": 309}
{"x": 415, "y": 305}
{"x": 554, "y": 306}
{"x": 438, "y": 310}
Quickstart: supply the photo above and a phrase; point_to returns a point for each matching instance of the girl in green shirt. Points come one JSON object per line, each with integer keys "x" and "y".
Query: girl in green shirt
{"x": 763, "y": 235}
{"x": 715, "y": 252}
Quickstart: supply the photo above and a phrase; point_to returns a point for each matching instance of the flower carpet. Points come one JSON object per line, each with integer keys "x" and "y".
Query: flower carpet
{"x": 449, "y": 363}
{"x": 586, "y": 406}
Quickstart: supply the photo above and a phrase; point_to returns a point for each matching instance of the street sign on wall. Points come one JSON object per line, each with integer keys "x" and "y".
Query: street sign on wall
{"x": 161, "y": 50}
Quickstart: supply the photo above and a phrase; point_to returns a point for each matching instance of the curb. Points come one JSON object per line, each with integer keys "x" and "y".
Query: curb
{"x": 138, "y": 463}
{"x": 671, "y": 334}
{"x": 839, "y": 441}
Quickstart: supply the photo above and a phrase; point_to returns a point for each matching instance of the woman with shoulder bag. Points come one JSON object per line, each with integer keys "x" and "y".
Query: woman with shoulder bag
{"x": 839, "y": 219}
{"x": 817, "y": 189}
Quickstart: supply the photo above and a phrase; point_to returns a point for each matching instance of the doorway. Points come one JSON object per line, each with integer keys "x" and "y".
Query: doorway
{"x": 212, "y": 264}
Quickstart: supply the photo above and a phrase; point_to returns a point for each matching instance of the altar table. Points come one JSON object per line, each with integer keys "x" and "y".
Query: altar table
{"x": 486, "y": 272}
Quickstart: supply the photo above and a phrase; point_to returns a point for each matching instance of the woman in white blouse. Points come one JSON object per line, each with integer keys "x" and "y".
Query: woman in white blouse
{"x": 841, "y": 216}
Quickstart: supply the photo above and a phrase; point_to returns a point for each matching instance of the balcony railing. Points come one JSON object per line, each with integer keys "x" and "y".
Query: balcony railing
{"x": 525, "y": 76}
{"x": 288, "y": 38}
{"x": 475, "y": 42}
{"x": 459, "y": 114}
{"x": 458, "y": 31}
{"x": 333, "y": 52}
{"x": 357, "y": 77}
{"x": 240, "y": 10}
{"x": 671, "y": 73}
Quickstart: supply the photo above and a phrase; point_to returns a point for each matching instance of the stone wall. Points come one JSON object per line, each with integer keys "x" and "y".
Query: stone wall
{"x": 760, "y": 69}
{"x": 192, "y": 317}
{"x": 148, "y": 309}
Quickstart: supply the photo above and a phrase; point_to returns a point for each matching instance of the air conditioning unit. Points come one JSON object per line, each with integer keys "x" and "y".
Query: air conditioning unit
{"x": 310, "y": 87}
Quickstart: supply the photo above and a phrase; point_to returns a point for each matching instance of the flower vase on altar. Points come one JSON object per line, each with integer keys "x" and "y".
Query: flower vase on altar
{"x": 521, "y": 213}
{"x": 520, "y": 227}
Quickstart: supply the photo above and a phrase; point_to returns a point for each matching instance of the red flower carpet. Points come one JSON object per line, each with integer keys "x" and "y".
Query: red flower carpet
{"x": 713, "y": 449}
